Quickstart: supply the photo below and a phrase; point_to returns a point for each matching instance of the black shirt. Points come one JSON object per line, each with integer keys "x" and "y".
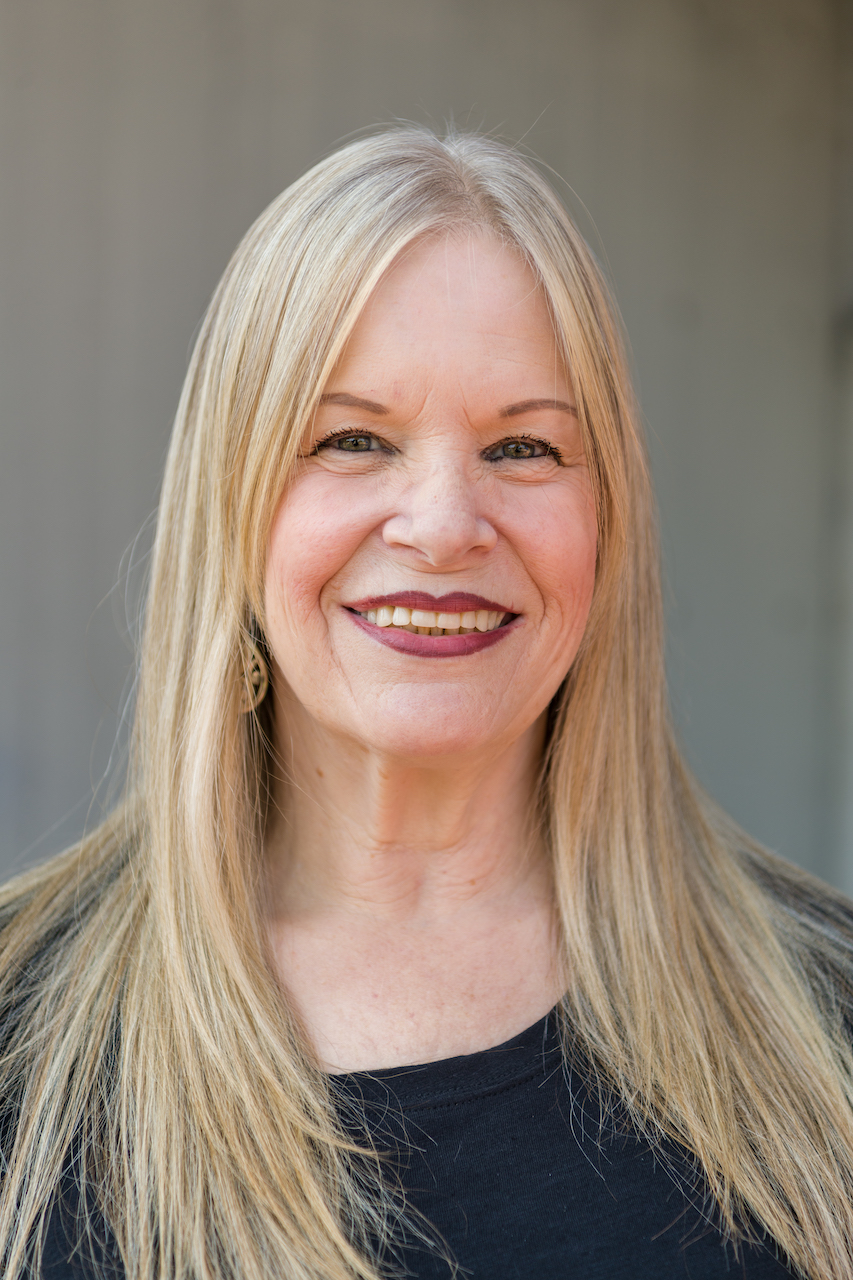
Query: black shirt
{"x": 509, "y": 1160}
{"x": 507, "y": 1156}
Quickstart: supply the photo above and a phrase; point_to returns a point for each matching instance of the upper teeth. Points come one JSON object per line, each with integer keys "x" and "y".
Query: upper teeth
{"x": 426, "y": 622}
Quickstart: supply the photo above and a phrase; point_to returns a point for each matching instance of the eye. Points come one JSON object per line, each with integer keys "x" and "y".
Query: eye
{"x": 351, "y": 442}
{"x": 519, "y": 448}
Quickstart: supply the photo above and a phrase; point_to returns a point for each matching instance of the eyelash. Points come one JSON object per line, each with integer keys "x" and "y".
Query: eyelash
{"x": 549, "y": 450}
{"x": 345, "y": 434}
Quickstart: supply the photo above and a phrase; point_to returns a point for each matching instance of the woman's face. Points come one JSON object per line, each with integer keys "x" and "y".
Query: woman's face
{"x": 431, "y": 564}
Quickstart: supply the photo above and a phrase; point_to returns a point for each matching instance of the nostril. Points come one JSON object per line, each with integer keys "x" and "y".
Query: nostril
{"x": 440, "y": 531}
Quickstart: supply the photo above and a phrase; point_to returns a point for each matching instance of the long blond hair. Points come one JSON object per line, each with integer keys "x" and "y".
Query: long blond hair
{"x": 143, "y": 1029}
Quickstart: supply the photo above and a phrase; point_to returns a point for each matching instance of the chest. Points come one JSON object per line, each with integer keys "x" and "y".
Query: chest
{"x": 375, "y": 996}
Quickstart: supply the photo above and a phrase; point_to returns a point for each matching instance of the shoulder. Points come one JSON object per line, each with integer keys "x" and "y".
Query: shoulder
{"x": 59, "y": 1020}
{"x": 814, "y": 924}
{"x": 815, "y": 910}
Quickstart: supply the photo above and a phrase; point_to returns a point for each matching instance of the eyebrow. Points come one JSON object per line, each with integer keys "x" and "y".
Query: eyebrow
{"x": 509, "y": 411}
{"x": 525, "y": 406}
{"x": 353, "y": 402}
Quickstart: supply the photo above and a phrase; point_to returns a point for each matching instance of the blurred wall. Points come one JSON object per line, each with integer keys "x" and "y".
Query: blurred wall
{"x": 839, "y": 669}
{"x": 704, "y": 144}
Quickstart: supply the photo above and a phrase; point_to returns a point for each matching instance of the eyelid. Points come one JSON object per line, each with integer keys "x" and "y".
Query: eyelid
{"x": 343, "y": 433}
{"x": 551, "y": 450}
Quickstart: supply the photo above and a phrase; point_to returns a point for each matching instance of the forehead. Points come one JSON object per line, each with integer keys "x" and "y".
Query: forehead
{"x": 463, "y": 273}
{"x": 464, "y": 304}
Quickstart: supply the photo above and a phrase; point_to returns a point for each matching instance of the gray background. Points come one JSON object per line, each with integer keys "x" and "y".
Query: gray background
{"x": 709, "y": 148}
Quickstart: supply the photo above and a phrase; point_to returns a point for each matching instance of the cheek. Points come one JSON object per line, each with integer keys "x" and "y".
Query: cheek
{"x": 298, "y": 563}
{"x": 581, "y": 564}
{"x": 562, "y": 548}
{"x": 315, "y": 533}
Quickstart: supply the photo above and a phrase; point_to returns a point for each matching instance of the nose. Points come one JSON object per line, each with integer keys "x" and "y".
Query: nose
{"x": 438, "y": 516}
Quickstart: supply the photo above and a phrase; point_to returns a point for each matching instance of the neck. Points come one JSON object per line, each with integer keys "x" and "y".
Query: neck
{"x": 352, "y": 828}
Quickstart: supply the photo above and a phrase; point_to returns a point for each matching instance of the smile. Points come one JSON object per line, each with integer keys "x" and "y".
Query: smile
{"x": 425, "y": 622}
{"x": 406, "y": 622}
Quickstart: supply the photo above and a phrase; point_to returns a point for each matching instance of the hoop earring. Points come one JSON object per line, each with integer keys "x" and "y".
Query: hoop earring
{"x": 256, "y": 681}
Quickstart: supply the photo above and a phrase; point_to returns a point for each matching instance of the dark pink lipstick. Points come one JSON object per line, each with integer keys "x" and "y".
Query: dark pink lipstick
{"x": 426, "y": 645}
{"x": 431, "y": 646}
{"x": 453, "y": 602}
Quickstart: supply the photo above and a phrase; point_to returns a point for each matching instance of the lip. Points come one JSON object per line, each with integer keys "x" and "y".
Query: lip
{"x": 430, "y": 646}
{"x": 453, "y": 602}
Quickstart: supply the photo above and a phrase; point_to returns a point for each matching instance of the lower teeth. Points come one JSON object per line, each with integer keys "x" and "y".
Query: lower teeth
{"x": 433, "y": 631}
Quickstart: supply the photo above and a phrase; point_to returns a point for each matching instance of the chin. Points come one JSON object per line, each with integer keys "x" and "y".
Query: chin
{"x": 419, "y": 728}
{"x": 429, "y": 741}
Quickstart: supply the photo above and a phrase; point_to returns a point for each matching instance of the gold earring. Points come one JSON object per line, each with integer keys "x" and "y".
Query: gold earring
{"x": 256, "y": 682}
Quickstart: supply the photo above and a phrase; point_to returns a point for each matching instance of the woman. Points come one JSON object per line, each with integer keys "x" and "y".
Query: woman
{"x": 413, "y": 939}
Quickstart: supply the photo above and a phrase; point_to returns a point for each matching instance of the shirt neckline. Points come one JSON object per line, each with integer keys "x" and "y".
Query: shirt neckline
{"x": 534, "y": 1051}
